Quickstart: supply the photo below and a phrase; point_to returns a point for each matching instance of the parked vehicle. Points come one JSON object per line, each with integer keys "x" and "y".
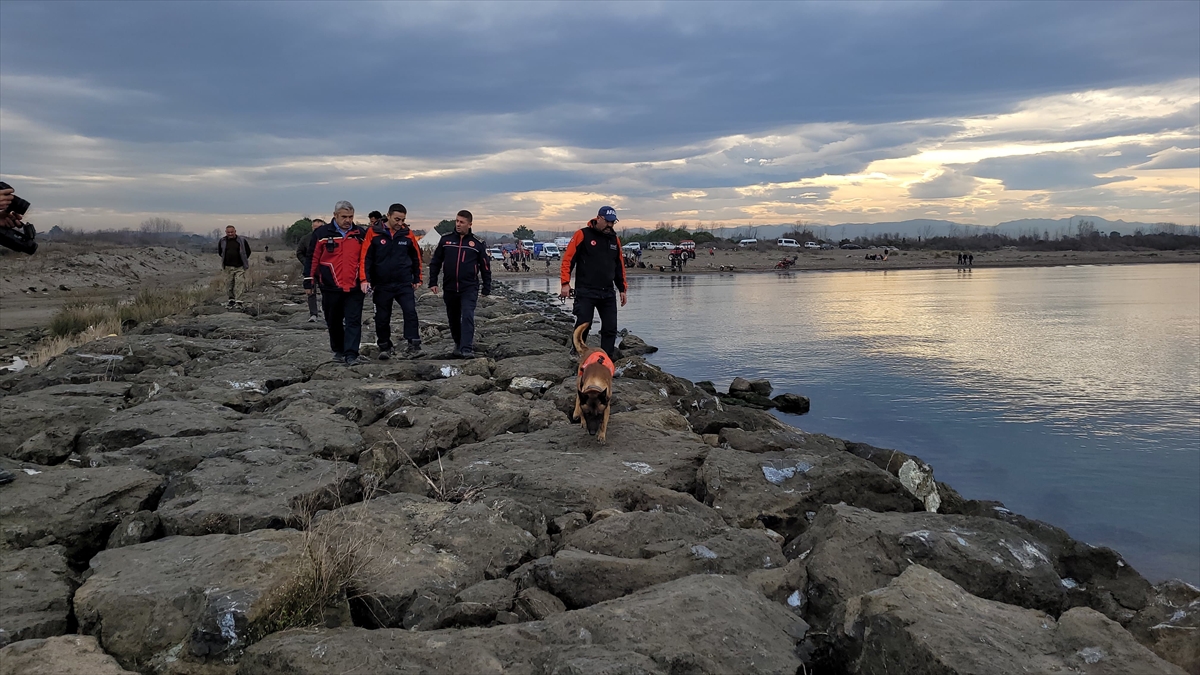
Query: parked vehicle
{"x": 660, "y": 246}
{"x": 826, "y": 246}
{"x": 811, "y": 244}
{"x": 527, "y": 243}
{"x": 633, "y": 246}
{"x": 688, "y": 244}
{"x": 562, "y": 242}
{"x": 747, "y": 243}
{"x": 546, "y": 251}
{"x": 851, "y": 246}
{"x": 496, "y": 253}
{"x": 786, "y": 243}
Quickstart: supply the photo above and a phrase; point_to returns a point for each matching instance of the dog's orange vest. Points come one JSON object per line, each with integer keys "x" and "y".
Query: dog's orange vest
{"x": 600, "y": 357}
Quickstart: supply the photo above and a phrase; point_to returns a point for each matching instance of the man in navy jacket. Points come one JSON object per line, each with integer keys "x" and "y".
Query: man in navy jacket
{"x": 391, "y": 265}
{"x": 465, "y": 261}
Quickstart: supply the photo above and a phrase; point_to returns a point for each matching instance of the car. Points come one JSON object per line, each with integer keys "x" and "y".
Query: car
{"x": 633, "y": 246}
{"x": 811, "y": 244}
{"x": 851, "y": 246}
{"x": 826, "y": 246}
{"x": 747, "y": 243}
{"x": 660, "y": 245}
{"x": 786, "y": 243}
{"x": 496, "y": 253}
{"x": 688, "y": 244}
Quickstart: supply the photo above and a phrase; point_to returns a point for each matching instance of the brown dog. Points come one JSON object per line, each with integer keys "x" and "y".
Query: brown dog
{"x": 593, "y": 391}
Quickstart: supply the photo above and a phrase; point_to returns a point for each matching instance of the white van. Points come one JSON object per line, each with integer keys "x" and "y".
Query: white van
{"x": 660, "y": 245}
{"x": 633, "y": 246}
{"x": 550, "y": 252}
{"x": 747, "y": 243}
{"x": 562, "y": 242}
{"x": 787, "y": 243}
{"x": 527, "y": 244}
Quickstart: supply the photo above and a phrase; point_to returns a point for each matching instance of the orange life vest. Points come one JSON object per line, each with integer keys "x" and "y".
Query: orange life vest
{"x": 600, "y": 357}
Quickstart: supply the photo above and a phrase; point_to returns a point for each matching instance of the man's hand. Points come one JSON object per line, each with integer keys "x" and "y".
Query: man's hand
{"x": 416, "y": 285}
{"x": 624, "y": 298}
{"x": 365, "y": 287}
{"x": 6, "y": 197}
{"x": 433, "y": 289}
{"x": 308, "y": 291}
{"x": 564, "y": 291}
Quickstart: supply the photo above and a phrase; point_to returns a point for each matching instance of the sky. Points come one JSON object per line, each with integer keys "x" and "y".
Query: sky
{"x": 255, "y": 114}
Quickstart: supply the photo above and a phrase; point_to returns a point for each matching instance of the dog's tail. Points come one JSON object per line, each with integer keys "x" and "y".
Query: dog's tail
{"x": 577, "y": 337}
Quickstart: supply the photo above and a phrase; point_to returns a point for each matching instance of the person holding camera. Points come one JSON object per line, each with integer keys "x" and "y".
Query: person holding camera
{"x": 302, "y": 254}
{"x": 235, "y": 260}
{"x": 336, "y": 254}
{"x": 15, "y": 234}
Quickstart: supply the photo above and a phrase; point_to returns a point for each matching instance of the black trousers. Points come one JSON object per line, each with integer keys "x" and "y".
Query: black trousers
{"x": 343, "y": 316}
{"x": 407, "y": 297}
{"x": 585, "y": 309}
{"x": 312, "y": 299}
{"x": 460, "y": 312}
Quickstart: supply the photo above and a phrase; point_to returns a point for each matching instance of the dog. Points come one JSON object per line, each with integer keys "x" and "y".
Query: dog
{"x": 593, "y": 390}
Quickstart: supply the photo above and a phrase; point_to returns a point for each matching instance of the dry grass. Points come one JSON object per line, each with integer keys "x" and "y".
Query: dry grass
{"x": 332, "y": 574}
{"x": 455, "y": 490}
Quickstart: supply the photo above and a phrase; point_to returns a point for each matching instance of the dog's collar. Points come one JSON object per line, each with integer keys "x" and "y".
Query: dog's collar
{"x": 600, "y": 357}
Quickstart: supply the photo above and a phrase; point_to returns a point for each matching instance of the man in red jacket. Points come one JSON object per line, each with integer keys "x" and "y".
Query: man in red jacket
{"x": 336, "y": 255}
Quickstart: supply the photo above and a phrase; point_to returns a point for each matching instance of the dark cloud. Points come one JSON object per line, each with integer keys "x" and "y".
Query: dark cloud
{"x": 1051, "y": 171}
{"x": 948, "y": 184}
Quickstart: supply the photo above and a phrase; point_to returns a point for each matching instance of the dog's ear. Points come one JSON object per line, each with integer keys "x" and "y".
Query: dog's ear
{"x": 603, "y": 397}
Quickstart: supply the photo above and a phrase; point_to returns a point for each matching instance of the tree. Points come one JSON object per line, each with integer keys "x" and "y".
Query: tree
{"x": 160, "y": 226}
{"x": 297, "y": 231}
{"x": 444, "y": 227}
{"x": 523, "y": 232}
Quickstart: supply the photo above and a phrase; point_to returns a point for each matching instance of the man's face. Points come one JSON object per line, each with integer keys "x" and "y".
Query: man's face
{"x": 231, "y": 232}
{"x": 344, "y": 218}
{"x": 461, "y": 225}
{"x": 396, "y": 219}
{"x": 317, "y": 223}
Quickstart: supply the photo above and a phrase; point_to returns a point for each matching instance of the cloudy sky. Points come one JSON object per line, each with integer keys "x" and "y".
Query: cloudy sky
{"x": 539, "y": 113}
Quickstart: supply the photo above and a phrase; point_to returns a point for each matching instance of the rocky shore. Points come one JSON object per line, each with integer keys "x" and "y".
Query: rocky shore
{"x": 210, "y": 494}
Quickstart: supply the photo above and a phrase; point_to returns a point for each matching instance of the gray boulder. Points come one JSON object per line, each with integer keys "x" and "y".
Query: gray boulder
{"x": 179, "y": 455}
{"x": 253, "y": 490}
{"x": 157, "y": 419}
{"x": 418, "y": 554}
{"x": 35, "y": 594}
{"x": 65, "y": 655}
{"x": 194, "y": 599}
{"x": 668, "y": 628}
{"x": 923, "y": 622}
{"x": 1170, "y": 624}
{"x": 74, "y": 508}
{"x": 332, "y": 435}
{"x": 42, "y": 426}
{"x": 784, "y": 490}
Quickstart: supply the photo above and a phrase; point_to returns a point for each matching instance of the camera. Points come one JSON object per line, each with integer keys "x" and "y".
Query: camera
{"x": 17, "y": 238}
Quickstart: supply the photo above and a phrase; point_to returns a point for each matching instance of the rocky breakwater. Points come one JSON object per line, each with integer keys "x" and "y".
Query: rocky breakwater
{"x": 211, "y": 494}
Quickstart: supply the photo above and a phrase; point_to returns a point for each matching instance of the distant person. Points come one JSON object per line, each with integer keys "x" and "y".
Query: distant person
{"x": 336, "y": 252}
{"x": 391, "y": 267}
{"x": 594, "y": 254}
{"x": 235, "y": 260}
{"x": 970, "y": 260}
{"x": 376, "y": 219}
{"x": 467, "y": 269}
{"x": 960, "y": 258}
{"x": 302, "y": 254}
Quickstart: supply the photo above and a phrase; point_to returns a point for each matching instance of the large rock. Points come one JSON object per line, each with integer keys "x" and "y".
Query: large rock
{"x": 923, "y": 622}
{"x": 255, "y": 490}
{"x": 331, "y": 435}
{"x": 784, "y": 490}
{"x": 195, "y": 599}
{"x": 416, "y": 547}
{"x": 1170, "y": 624}
{"x": 179, "y": 455}
{"x": 157, "y": 419}
{"x": 75, "y": 508}
{"x": 701, "y": 625}
{"x": 713, "y": 420}
{"x": 35, "y": 594}
{"x": 850, "y": 551}
{"x": 43, "y": 426}
{"x": 65, "y": 655}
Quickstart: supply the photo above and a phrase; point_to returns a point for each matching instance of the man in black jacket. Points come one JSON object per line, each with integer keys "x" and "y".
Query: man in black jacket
{"x": 595, "y": 256}
{"x": 391, "y": 266}
{"x": 466, "y": 264}
{"x": 302, "y": 249}
{"x": 235, "y": 260}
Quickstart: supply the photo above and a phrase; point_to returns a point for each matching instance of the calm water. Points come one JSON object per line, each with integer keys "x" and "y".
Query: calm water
{"x": 1071, "y": 394}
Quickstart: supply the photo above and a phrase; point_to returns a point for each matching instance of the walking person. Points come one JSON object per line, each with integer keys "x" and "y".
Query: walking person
{"x": 594, "y": 254}
{"x": 235, "y": 260}
{"x": 467, "y": 267}
{"x": 391, "y": 268}
{"x": 336, "y": 254}
{"x": 303, "y": 247}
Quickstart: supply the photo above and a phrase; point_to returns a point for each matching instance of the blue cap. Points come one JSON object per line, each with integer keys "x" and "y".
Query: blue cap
{"x": 608, "y": 213}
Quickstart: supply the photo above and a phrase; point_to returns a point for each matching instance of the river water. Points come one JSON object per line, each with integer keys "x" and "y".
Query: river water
{"x": 1071, "y": 394}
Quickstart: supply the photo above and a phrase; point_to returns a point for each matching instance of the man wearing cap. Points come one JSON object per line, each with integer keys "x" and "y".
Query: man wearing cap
{"x": 595, "y": 256}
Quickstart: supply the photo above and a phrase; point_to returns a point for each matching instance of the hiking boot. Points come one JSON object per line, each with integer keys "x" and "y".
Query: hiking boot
{"x": 338, "y": 358}
{"x": 414, "y": 348}
{"x": 353, "y": 360}
{"x": 386, "y": 354}
{"x": 467, "y": 353}
{"x": 6, "y": 476}
{"x": 457, "y": 353}
{"x": 312, "y": 318}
